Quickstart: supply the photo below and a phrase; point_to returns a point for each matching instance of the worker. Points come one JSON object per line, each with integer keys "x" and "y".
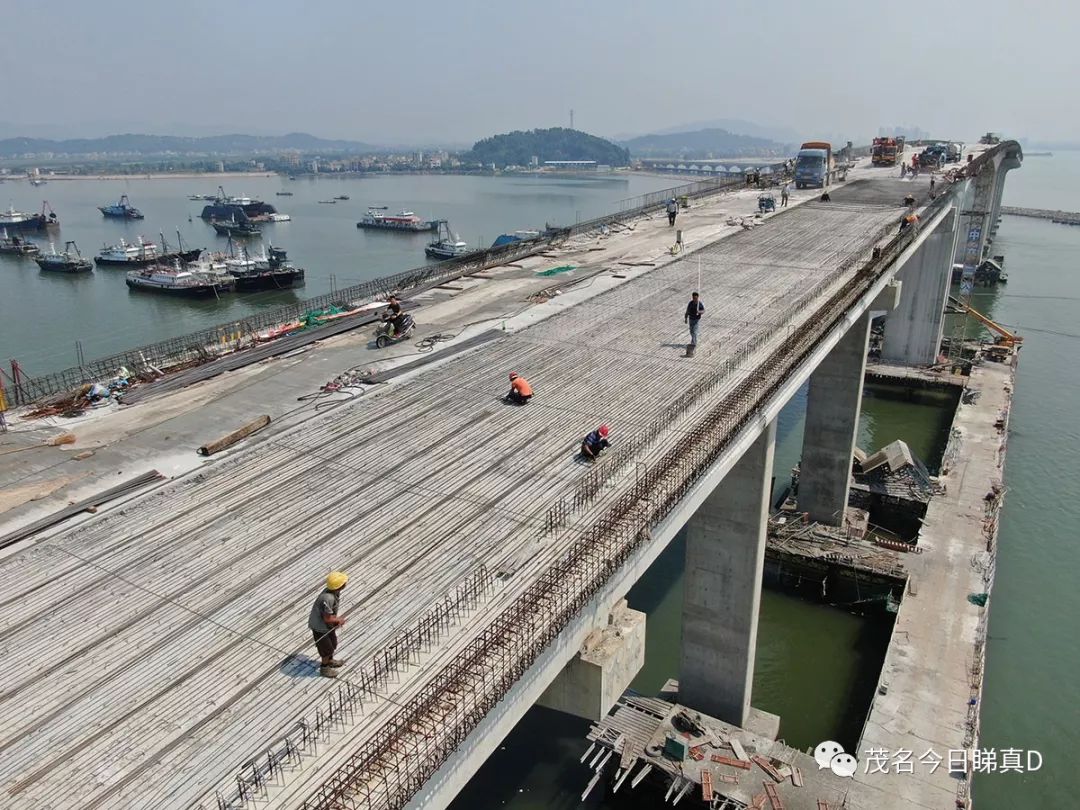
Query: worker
{"x": 784, "y": 195}
{"x": 595, "y": 443}
{"x": 672, "y": 211}
{"x": 933, "y": 182}
{"x": 909, "y": 201}
{"x": 825, "y": 196}
{"x": 393, "y": 314}
{"x": 910, "y": 220}
{"x": 520, "y": 390}
{"x": 692, "y": 317}
{"x": 915, "y": 161}
{"x": 324, "y": 622}
{"x": 903, "y": 170}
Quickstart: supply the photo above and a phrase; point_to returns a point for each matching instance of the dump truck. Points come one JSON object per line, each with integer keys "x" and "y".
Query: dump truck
{"x": 886, "y": 151}
{"x": 814, "y": 165}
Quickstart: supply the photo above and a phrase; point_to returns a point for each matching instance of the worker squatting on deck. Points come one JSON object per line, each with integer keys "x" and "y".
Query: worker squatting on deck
{"x": 324, "y": 622}
{"x": 520, "y": 390}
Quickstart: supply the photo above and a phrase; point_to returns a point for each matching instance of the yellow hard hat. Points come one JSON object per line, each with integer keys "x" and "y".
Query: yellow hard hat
{"x": 336, "y": 580}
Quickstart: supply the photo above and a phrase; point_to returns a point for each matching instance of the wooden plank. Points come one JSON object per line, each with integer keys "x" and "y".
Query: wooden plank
{"x": 736, "y": 746}
{"x": 774, "y": 796}
{"x": 734, "y": 763}
{"x": 706, "y": 785}
{"x": 766, "y": 766}
{"x": 796, "y": 776}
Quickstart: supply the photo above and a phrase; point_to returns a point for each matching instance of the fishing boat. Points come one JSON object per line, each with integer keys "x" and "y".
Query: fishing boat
{"x": 17, "y": 246}
{"x": 70, "y": 261}
{"x": 37, "y": 181}
{"x": 12, "y": 220}
{"x": 224, "y": 207}
{"x": 327, "y": 202}
{"x": 143, "y": 254}
{"x": 232, "y": 228}
{"x": 263, "y": 272}
{"x": 279, "y": 218}
{"x": 342, "y": 197}
{"x": 283, "y": 193}
{"x": 406, "y": 221}
{"x": 448, "y": 246}
{"x": 121, "y": 210}
{"x": 178, "y": 280}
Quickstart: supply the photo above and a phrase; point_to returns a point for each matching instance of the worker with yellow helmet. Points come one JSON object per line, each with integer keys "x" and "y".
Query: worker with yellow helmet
{"x": 324, "y": 622}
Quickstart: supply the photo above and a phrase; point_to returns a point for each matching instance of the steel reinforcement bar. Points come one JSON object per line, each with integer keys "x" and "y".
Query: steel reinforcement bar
{"x": 388, "y": 769}
{"x": 208, "y": 344}
{"x": 250, "y": 782}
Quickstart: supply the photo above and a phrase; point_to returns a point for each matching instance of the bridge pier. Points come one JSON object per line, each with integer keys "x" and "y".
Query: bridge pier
{"x": 725, "y": 552}
{"x": 833, "y": 404}
{"x": 603, "y": 669}
{"x": 914, "y": 330}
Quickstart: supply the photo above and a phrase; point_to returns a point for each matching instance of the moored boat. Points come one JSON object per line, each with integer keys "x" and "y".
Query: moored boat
{"x": 12, "y": 220}
{"x": 263, "y": 272}
{"x": 279, "y": 218}
{"x": 448, "y": 246}
{"x": 225, "y": 207}
{"x": 178, "y": 280}
{"x": 244, "y": 229}
{"x": 142, "y": 254}
{"x": 283, "y": 193}
{"x": 407, "y": 221}
{"x": 17, "y": 246}
{"x": 121, "y": 210}
{"x": 69, "y": 261}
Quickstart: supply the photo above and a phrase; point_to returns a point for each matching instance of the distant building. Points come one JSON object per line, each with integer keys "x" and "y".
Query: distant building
{"x": 577, "y": 165}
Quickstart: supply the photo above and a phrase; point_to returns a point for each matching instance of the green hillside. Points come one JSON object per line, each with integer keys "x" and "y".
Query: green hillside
{"x": 519, "y": 148}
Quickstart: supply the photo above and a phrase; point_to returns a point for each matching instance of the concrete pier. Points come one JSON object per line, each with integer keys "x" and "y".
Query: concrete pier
{"x": 832, "y": 419}
{"x": 608, "y": 661}
{"x": 725, "y": 551}
{"x": 913, "y": 331}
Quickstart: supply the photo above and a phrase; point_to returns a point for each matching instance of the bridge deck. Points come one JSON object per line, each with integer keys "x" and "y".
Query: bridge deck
{"x": 151, "y": 653}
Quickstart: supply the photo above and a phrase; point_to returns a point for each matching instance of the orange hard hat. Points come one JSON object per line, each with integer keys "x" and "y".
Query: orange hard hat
{"x": 604, "y": 430}
{"x": 513, "y": 375}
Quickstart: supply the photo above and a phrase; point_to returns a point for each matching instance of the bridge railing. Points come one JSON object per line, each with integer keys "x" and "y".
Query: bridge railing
{"x": 387, "y": 770}
{"x": 206, "y": 344}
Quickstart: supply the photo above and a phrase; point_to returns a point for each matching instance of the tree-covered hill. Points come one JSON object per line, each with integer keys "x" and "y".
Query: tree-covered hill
{"x": 519, "y": 148}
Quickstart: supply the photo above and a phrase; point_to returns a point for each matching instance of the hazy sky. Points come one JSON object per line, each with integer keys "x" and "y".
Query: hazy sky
{"x": 453, "y": 71}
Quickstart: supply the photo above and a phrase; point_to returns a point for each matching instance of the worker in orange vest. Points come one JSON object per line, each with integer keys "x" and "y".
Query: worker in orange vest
{"x": 520, "y": 390}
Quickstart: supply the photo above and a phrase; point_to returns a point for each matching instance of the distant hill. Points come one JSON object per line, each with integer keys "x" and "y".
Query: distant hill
{"x": 703, "y": 144}
{"x": 737, "y": 126}
{"x": 518, "y": 148}
{"x": 178, "y": 145}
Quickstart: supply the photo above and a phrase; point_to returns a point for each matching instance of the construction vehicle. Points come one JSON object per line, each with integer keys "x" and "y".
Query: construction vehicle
{"x": 933, "y": 156}
{"x": 1005, "y": 337}
{"x": 814, "y": 165}
{"x": 886, "y": 151}
{"x": 953, "y": 151}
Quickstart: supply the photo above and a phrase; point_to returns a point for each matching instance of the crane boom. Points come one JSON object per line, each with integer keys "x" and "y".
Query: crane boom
{"x": 1009, "y": 338}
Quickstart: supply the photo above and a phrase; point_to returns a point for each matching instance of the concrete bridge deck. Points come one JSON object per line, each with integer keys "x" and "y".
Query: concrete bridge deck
{"x": 154, "y": 651}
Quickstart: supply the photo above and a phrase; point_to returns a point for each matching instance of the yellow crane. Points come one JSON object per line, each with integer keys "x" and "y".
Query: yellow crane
{"x": 1007, "y": 338}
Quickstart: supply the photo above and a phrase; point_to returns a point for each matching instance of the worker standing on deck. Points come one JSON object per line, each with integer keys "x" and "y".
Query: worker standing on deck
{"x": 595, "y": 443}
{"x": 324, "y": 622}
{"x": 784, "y": 195}
{"x": 933, "y": 182}
{"x": 692, "y": 317}
{"x": 672, "y": 211}
{"x": 520, "y": 390}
